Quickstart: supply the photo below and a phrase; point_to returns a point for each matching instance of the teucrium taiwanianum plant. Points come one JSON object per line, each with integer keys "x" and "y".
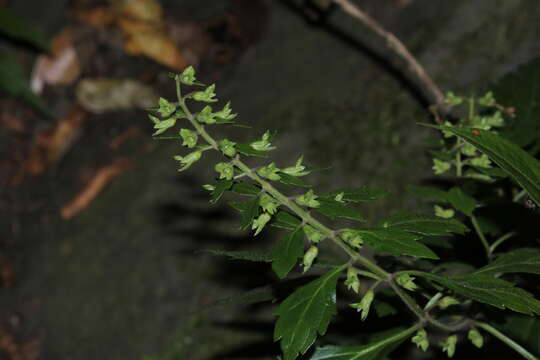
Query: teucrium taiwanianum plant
{"x": 441, "y": 303}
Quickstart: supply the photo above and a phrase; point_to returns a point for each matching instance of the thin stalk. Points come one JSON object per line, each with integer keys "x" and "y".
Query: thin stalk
{"x": 392, "y": 339}
{"x": 505, "y": 339}
{"x": 433, "y": 301}
{"x": 481, "y": 236}
{"x": 459, "y": 165}
{"x": 499, "y": 241}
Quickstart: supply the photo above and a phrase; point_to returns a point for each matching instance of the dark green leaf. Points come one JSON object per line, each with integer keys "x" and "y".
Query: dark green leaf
{"x": 14, "y": 82}
{"x": 396, "y": 242}
{"x": 246, "y": 149}
{"x": 287, "y": 252}
{"x": 334, "y": 209}
{"x": 487, "y": 290}
{"x": 525, "y": 330}
{"x": 239, "y": 205}
{"x": 306, "y": 313}
{"x": 246, "y": 188}
{"x": 521, "y": 166}
{"x": 220, "y": 188}
{"x": 292, "y": 180}
{"x": 357, "y": 194}
{"x": 285, "y": 220}
{"x": 16, "y": 28}
{"x": 251, "y": 212}
{"x": 423, "y": 224}
{"x": 242, "y": 255}
{"x": 384, "y": 309}
{"x": 526, "y": 260}
{"x": 461, "y": 201}
{"x": 429, "y": 193}
{"x": 364, "y": 352}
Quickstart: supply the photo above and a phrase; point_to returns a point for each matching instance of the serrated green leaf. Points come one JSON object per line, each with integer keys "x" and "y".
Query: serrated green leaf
{"x": 487, "y": 290}
{"x": 249, "y": 214}
{"x": 429, "y": 193}
{"x": 364, "y": 352}
{"x": 306, "y": 313}
{"x": 334, "y": 209}
{"x": 526, "y": 260}
{"x": 16, "y": 28}
{"x": 287, "y": 252}
{"x": 461, "y": 201}
{"x": 395, "y": 242}
{"x": 242, "y": 255}
{"x": 423, "y": 224}
{"x": 292, "y": 180}
{"x": 220, "y": 188}
{"x": 522, "y": 167}
{"x": 246, "y": 188}
{"x": 285, "y": 220}
{"x": 357, "y": 194}
{"x": 246, "y": 149}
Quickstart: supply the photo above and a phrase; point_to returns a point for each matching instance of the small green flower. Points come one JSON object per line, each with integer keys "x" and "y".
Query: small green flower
{"x": 313, "y": 234}
{"x": 352, "y": 238}
{"x": 468, "y": 149}
{"x": 421, "y": 339}
{"x": 481, "y": 161}
{"x": 225, "y": 170}
{"x": 449, "y": 345}
{"x": 260, "y": 223}
{"x": 364, "y": 305}
{"x": 406, "y": 281}
{"x": 444, "y": 213}
{"x": 164, "y": 125}
{"x": 227, "y": 147}
{"x": 226, "y": 113}
{"x": 268, "y": 203}
{"x": 207, "y": 95}
{"x": 476, "y": 338}
{"x": 206, "y": 115}
{"x": 264, "y": 143}
{"x": 353, "y": 282}
{"x": 309, "y": 257}
{"x": 188, "y": 76}
{"x": 154, "y": 119}
{"x": 339, "y": 197}
{"x": 308, "y": 199}
{"x": 440, "y": 166}
{"x": 452, "y": 99}
{"x": 297, "y": 170}
{"x": 269, "y": 171}
{"x": 166, "y": 108}
{"x": 446, "y": 133}
{"x": 446, "y": 302}
{"x": 188, "y": 160}
{"x": 209, "y": 187}
{"x": 487, "y": 99}
{"x": 189, "y": 137}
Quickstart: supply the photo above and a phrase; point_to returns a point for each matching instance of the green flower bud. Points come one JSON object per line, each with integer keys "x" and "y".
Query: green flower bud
{"x": 309, "y": 199}
{"x": 421, "y": 339}
{"x": 164, "y": 125}
{"x": 447, "y": 134}
{"x": 446, "y": 302}
{"x": 188, "y": 76}
{"x": 468, "y": 149}
{"x": 154, "y": 119}
{"x": 297, "y": 170}
{"x": 207, "y": 95}
{"x": 309, "y": 257}
{"x": 268, "y": 203}
{"x": 444, "y": 213}
{"x": 264, "y": 143}
{"x": 449, "y": 345}
{"x": 206, "y": 116}
{"x": 476, "y": 338}
{"x": 352, "y": 282}
{"x": 166, "y": 108}
{"x": 269, "y": 171}
{"x": 339, "y": 197}
{"x": 481, "y": 161}
{"x": 227, "y": 147}
{"x": 453, "y": 100}
{"x": 364, "y": 304}
{"x": 487, "y": 99}
{"x": 188, "y": 160}
{"x": 260, "y": 223}
{"x": 209, "y": 187}
{"x": 352, "y": 238}
{"x": 226, "y": 113}
{"x": 313, "y": 234}
{"x": 406, "y": 281}
{"x": 440, "y": 167}
{"x": 225, "y": 170}
{"x": 189, "y": 137}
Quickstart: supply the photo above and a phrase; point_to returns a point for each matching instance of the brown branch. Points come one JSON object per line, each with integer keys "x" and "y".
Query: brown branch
{"x": 429, "y": 87}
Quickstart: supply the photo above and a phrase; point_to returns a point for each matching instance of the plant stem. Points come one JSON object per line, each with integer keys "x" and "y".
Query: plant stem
{"x": 459, "y": 165}
{"x": 433, "y": 301}
{"x": 392, "y": 339}
{"x": 480, "y": 234}
{"x": 500, "y": 240}
{"x": 518, "y": 348}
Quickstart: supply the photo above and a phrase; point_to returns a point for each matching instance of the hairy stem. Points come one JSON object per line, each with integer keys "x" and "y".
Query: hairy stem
{"x": 505, "y": 339}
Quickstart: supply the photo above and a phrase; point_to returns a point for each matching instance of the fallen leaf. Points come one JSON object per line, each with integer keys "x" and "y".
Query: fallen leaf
{"x": 60, "y": 67}
{"x": 99, "y": 17}
{"x": 101, "y": 178}
{"x": 102, "y": 95}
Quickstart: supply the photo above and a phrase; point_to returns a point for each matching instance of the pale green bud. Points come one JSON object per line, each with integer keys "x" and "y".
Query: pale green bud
{"x": 226, "y": 113}
{"x": 227, "y": 147}
{"x": 476, "y": 338}
{"x": 406, "y": 281}
{"x": 297, "y": 170}
{"x": 447, "y": 301}
{"x": 264, "y": 143}
{"x": 481, "y": 161}
{"x": 308, "y": 199}
{"x": 468, "y": 149}
{"x": 166, "y": 108}
{"x": 453, "y": 100}
{"x": 352, "y": 282}
{"x": 260, "y": 223}
{"x": 188, "y": 160}
{"x": 225, "y": 170}
{"x": 268, "y": 203}
{"x": 352, "y": 238}
{"x": 364, "y": 305}
{"x": 154, "y": 119}
{"x": 188, "y": 76}
{"x": 443, "y": 213}
{"x": 269, "y": 171}
{"x": 339, "y": 197}
{"x": 440, "y": 167}
{"x": 487, "y": 99}
{"x": 313, "y": 234}
{"x": 164, "y": 125}
{"x": 421, "y": 339}
{"x": 207, "y": 95}
{"x": 206, "y": 116}
{"x": 309, "y": 257}
{"x": 209, "y": 187}
{"x": 446, "y": 133}
{"x": 449, "y": 345}
{"x": 189, "y": 137}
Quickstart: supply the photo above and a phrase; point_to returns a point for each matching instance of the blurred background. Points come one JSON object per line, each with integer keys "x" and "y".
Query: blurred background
{"x": 99, "y": 233}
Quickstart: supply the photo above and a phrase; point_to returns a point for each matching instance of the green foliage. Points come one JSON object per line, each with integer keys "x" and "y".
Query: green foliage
{"x": 16, "y": 28}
